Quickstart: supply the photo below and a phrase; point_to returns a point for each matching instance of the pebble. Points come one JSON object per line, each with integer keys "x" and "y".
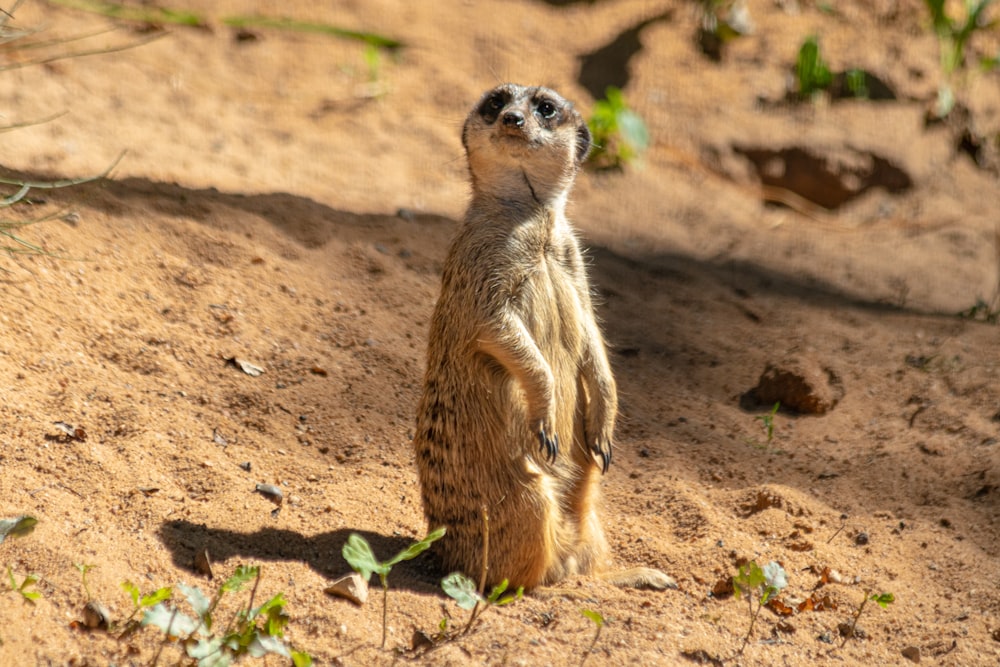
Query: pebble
{"x": 911, "y": 653}
{"x": 351, "y": 587}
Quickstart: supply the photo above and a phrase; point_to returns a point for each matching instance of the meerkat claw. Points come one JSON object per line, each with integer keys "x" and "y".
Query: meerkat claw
{"x": 604, "y": 455}
{"x": 549, "y": 445}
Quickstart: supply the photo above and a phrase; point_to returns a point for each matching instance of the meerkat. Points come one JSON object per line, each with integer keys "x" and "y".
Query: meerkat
{"x": 515, "y": 423}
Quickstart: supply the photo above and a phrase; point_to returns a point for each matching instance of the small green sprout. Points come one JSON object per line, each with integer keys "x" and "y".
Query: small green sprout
{"x": 811, "y": 72}
{"x": 463, "y": 590}
{"x": 768, "y": 421}
{"x": 358, "y": 553}
{"x": 760, "y": 584}
{"x": 84, "y": 569}
{"x": 254, "y": 631}
{"x": 619, "y": 133}
{"x": 953, "y": 35}
{"x": 598, "y": 621}
{"x": 22, "y": 588}
{"x": 881, "y": 599}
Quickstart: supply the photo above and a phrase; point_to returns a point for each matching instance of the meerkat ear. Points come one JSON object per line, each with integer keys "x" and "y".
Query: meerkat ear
{"x": 583, "y": 142}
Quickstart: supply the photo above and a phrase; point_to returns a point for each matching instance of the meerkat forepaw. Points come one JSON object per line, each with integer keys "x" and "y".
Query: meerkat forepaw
{"x": 549, "y": 445}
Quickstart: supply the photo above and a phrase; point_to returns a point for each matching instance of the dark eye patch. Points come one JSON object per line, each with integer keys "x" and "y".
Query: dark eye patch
{"x": 493, "y": 104}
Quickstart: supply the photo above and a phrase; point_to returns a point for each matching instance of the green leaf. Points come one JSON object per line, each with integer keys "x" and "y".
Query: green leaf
{"x": 417, "y": 548}
{"x": 172, "y": 622}
{"x": 210, "y": 652}
{"x": 301, "y": 659}
{"x": 883, "y": 599}
{"x": 750, "y": 578}
{"x": 507, "y": 599}
{"x": 29, "y": 580}
{"x": 774, "y": 576}
{"x": 633, "y": 129}
{"x": 17, "y": 527}
{"x": 243, "y": 575}
{"x": 497, "y": 591}
{"x": 461, "y": 589}
{"x": 133, "y": 592}
{"x": 261, "y": 645}
{"x": 277, "y": 619}
{"x": 811, "y": 72}
{"x": 358, "y": 553}
{"x": 593, "y": 616}
{"x": 198, "y": 601}
{"x": 156, "y": 597}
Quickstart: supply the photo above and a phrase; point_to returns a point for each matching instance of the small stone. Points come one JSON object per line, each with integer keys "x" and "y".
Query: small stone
{"x": 96, "y": 616}
{"x": 271, "y": 492}
{"x": 861, "y": 539}
{"x": 351, "y": 587}
{"x": 912, "y": 653}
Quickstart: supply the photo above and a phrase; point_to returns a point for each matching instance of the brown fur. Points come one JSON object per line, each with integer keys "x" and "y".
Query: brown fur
{"x": 519, "y": 402}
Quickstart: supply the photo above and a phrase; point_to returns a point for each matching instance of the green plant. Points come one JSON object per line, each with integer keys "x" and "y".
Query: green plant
{"x": 811, "y": 72}
{"x": 141, "y": 602}
{"x": 84, "y": 569}
{"x": 768, "y": 421}
{"x": 760, "y": 584}
{"x": 10, "y": 229}
{"x": 358, "y": 553}
{"x": 722, "y": 21}
{"x": 881, "y": 599}
{"x": 982, "y": 312}
{"x": 599, "y": 622}
{"x": 953, "y": 36}
{"x": 22, "y": 588}
{"x": 463, "y": 591}
{"x": 619, "y": 133}
{"x": 254, "y": 631}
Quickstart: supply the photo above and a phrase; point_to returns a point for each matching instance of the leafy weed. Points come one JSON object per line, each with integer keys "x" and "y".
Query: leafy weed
{"x": 619, "y": 133}
{"x": 358, "y": 553}
{"x": 760, "y": 585}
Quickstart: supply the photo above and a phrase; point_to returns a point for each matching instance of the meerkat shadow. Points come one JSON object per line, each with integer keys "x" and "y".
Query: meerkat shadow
{"x": 321, "y": 552}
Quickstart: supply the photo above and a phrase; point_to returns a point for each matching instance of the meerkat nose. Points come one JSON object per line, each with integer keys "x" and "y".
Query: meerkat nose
{"x": 513, "y": 119}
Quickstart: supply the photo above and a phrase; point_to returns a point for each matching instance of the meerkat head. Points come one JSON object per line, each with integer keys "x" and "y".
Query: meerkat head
{"x": 524, "y": 144}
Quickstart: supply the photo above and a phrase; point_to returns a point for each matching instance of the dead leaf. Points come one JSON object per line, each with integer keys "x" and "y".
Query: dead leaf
{"x": 723, "y": 588}
{"x": 202, "y": 563}
{"x": 779, "y": 607}
{"x": 245, "y": 366}
{"x": 816, "y": 603}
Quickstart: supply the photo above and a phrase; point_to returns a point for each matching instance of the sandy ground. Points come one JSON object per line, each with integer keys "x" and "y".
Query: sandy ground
{"x": 283, "y": 201}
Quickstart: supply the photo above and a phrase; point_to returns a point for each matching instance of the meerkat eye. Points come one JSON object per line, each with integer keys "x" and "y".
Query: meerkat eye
{"x": 495, "y": 103}
{"x": 547, "y": 109}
